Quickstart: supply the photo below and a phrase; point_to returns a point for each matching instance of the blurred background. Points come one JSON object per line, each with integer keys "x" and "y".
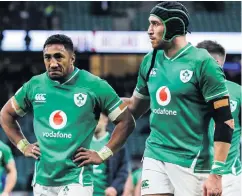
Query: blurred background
{"x": 110, "y": 40}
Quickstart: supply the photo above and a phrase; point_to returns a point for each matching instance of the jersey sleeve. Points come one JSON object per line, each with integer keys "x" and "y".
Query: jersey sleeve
{"x": 141, "y": 90}
{"x": 109, "y": 102}
{"x": 23, "y": 104}
{"x": 212, "y": 80}
{"x": 7, "y": 155}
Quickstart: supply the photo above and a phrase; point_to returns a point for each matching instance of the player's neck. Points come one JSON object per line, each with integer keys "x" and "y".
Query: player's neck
{"x": 69, "y": 74}
{"x": 178, "y": 44}
{"x": 100, "y": 133}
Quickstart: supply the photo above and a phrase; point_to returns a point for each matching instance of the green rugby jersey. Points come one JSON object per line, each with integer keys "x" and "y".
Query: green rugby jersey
{"x": 233, "y": 163}
{"x": 6, "y": 156}
{"x": 179, "y": 89}
{"x": 65, "y": 117}
{"x": 100, "y": 171}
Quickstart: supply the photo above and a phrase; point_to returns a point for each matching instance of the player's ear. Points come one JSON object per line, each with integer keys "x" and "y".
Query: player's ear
{"x": 73, "y": 58}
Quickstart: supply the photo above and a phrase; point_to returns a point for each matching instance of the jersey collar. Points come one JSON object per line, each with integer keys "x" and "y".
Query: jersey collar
{"x": 67, "y": 80}
{"x": 179, "y": 53}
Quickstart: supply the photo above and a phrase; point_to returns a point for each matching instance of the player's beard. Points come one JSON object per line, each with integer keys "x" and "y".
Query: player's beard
{"x": 163, "y": 45}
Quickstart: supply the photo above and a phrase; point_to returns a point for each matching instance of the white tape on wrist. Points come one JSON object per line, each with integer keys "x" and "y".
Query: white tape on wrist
{"x": 105, "y": 153}
{"x": 22, "y": 144}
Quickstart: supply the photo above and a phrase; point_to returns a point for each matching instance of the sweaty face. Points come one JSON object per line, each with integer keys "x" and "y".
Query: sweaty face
{"x": 156, "y": 31}
{"x": 58, "y": 61}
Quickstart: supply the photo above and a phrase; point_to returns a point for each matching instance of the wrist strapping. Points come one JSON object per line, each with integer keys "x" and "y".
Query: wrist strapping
{"x": 22, "y": 144}
{"x": 217, "y": 168}
{"x": 105, "y": 153}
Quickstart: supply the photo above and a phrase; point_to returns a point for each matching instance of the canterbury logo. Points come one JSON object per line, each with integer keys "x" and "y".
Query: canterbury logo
{"x": 40, "y": 98}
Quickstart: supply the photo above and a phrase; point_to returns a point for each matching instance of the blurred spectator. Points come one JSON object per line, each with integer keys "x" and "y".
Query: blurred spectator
{"x": 28, "y": 15}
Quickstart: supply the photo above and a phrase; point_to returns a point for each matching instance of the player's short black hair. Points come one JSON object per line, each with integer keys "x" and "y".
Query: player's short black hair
{"x": 212, "y": 47}
{"x": 60, "y": 39}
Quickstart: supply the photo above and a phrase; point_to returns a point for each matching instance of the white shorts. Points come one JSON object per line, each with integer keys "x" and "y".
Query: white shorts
{"x": 231, "y": 185}
{"x": 68, "y": 190}
{"x": 161, "y": 177}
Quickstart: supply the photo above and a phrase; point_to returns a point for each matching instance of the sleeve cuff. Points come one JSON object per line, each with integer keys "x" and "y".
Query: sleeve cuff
{"x": 140, "y": 96}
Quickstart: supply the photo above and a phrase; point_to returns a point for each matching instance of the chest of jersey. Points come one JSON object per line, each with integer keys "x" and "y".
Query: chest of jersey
{"x": 62, "y": 106}
{"x": 173, "y": 80}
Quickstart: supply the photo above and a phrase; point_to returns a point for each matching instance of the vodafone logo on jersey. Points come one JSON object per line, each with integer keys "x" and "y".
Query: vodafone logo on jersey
{"x": 163, "y": 96}
{"x": 58, "y": 119}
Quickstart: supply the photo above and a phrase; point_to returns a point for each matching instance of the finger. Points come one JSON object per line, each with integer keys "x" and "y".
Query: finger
{"x": 204, "y": 190}
{"x": 208, "y": 193}
{"x": 211, "y": 193}
{"x": 219, "y": 193}
{"x": 81, "y": 158}
{"x": 36, "y": 152}
{"x": 81, "y": 149}
{"x": 81, "y": 154}
{"x": 84, "y": 163}
{"x": 36, "y": 144}
{"x": 37, "y": 148}
{"x": 34, "y": 156}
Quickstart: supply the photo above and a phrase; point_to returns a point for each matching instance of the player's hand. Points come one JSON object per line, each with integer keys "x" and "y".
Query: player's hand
{"x": 111, "y": 191}
{"x": 213, "y": 186}
{"x": 86, "y": 156}
{"x": 32, "y": 150}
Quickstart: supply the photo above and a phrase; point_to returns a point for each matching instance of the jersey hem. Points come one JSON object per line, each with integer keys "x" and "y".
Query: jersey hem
{"x": 174, "y": 158}
{"x": 62, "y": 183}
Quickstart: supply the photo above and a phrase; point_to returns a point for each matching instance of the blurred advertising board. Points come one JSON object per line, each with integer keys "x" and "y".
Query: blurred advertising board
{"x": 13, "y": 40}
{"x": 82, "y": 40}
{"x": 111, "y": 41}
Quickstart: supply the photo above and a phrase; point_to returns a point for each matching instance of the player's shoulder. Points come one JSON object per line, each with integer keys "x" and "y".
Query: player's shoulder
{"x": 90, "y": 80}
{"x": 149, "y": 55}
{"x": 203, "y": 59}
{"x": 37, "y": 79}
{"x": 233, "y": 85}
{"x": 146, "y": 63}
{"x": 201, "y": 54}
{"x": 88, "y": 77}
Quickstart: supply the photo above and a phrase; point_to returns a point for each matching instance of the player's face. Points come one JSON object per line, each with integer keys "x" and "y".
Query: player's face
{"x": 58, "y": 61}
{"x": 156, "y": 32}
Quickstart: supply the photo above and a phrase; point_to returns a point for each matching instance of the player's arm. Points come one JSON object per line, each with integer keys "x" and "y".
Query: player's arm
{"x": 137, "y": 190}
{"x": 214, "y": 90}
{"x": 9, "y": 114}
{"x": 125, "y": 125}
{"x": 137, "y": 105}
{"x": 16, "y": 107}
{"x": 128, "y": 187}
{"x": 116, "y": 110}
{"x": 11, "y": 177}
{"x": 224, "y": 126}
